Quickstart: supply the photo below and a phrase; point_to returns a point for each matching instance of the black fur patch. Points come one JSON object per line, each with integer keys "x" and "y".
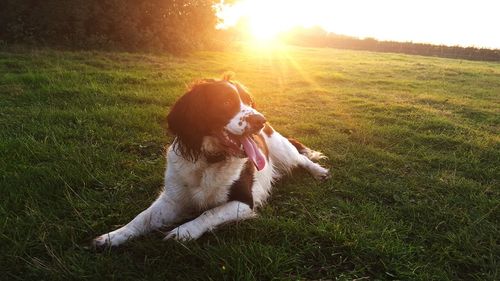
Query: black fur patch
{"x": 241, "y": 190}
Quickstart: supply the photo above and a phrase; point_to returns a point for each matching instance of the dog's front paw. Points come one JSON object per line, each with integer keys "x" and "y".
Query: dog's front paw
{"x": 102, "y": 242}
{"x": 111, "y": 239}
{"x": 185, "y": 232}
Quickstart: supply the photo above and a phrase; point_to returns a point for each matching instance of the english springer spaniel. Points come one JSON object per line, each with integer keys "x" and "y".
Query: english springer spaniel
{"x": 220, "y": 166}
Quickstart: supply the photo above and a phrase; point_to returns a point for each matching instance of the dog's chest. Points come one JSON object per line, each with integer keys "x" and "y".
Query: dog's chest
{"x": 208, "y": 185}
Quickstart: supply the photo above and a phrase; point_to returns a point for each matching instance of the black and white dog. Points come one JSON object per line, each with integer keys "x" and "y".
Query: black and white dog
{"x": 221, "y": 165}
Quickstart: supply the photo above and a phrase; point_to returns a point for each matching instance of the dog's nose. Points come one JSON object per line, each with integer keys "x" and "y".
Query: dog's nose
{"x": 256, "y": 121}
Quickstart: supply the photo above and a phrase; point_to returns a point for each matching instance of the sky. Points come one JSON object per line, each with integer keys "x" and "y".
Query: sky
{"x": 465, "y": 23}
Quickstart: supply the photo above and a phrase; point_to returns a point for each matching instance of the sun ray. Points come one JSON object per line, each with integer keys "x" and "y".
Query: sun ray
{"x": 299, "y": 69}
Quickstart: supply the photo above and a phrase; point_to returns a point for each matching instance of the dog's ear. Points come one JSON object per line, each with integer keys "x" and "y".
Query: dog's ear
{"x": 185, "y": 122}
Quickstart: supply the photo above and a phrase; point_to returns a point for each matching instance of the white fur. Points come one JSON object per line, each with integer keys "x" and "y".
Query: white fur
{"x": 202, "y": 188}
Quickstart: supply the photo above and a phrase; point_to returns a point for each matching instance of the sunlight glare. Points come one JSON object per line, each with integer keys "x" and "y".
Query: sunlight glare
{"x": 264, "y": 19}
{"x": 450, "y": 22}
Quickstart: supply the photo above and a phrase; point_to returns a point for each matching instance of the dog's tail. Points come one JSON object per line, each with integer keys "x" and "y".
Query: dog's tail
{"x": 313, "y": 155}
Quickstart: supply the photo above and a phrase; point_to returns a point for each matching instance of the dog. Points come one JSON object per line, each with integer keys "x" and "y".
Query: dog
{"x": 220, "y": 166}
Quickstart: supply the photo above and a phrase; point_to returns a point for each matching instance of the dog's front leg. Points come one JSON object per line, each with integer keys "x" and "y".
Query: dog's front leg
{"x": 162, "y": 211}
{"x": 228, "y": 212}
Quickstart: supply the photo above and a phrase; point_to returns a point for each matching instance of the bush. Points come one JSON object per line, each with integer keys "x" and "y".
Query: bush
{"x": 172, "y": 25}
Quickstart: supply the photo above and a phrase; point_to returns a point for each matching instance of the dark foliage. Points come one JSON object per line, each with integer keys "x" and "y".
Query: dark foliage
{"x": 173, "y": 25}
{"x": 317, "y": 37}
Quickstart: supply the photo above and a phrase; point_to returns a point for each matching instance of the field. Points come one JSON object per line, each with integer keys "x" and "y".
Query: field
{"x": 413, "y": 143}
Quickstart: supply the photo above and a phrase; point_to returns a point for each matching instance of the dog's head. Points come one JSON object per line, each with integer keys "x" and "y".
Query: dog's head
{"x": 216, "y": 116}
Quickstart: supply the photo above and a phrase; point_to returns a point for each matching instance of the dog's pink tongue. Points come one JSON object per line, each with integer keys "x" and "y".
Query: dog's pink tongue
{"x": 253, "y": 153}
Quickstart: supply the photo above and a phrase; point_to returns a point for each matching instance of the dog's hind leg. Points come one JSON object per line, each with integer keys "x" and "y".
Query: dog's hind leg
{"x": 316, "y": 170}
{"x": 162, "y": 211}
{"x": 313, "y": 155}
{"x": 286, "y": 155}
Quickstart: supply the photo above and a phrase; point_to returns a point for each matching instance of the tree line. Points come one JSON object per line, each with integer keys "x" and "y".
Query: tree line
{"x": 172, "y": 25}
{"x": 317, "y": 37}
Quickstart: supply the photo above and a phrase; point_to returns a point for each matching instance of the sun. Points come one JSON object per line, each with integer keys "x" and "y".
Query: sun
{"x": 263, "y": 20}
{"x": 263, "y": 31}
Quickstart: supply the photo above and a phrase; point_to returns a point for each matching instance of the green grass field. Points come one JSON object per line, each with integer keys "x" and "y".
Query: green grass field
{"x": 413, "y": 144}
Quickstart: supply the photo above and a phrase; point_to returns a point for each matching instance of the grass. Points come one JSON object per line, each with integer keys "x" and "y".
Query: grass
{"x": 412, "y": 142}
